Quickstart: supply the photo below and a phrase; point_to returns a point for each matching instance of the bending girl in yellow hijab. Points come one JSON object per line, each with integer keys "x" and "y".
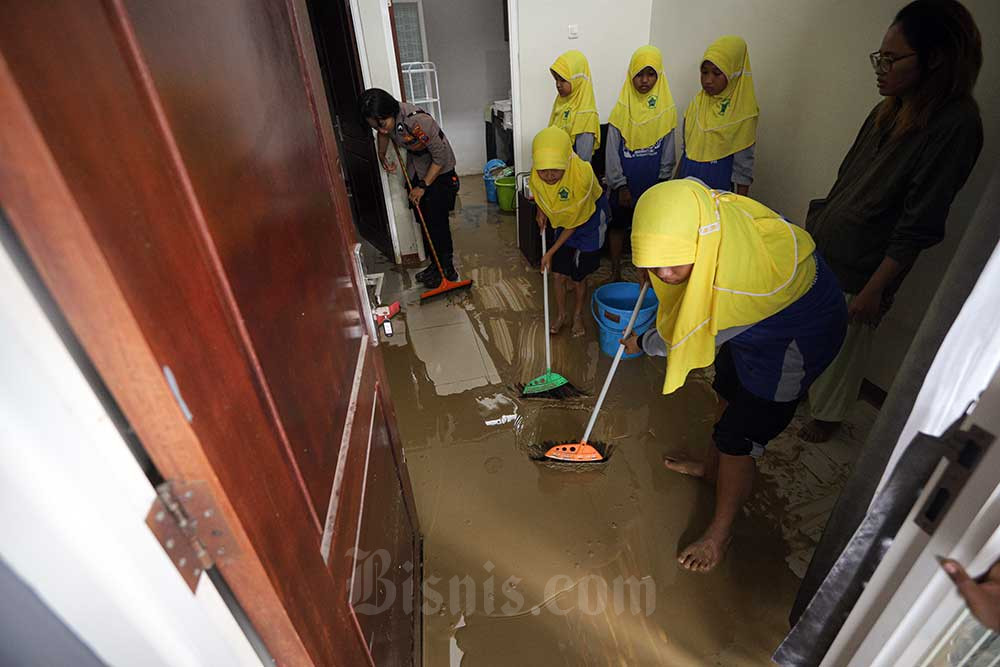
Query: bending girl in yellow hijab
{"x": 575, "y": 109}
{"x": 720, "y": 124}
{"x": 640, "y": 150}
{"x": 570, "y": 199}
{"x": 741, "y": 287}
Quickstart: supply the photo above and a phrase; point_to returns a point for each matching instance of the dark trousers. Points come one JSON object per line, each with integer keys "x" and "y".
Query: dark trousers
{"x": 438, "y": 201}
{"x": 747, "y": 419}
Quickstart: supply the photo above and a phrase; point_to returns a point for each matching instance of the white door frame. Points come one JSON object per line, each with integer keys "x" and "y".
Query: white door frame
{"x": 75, "y": 502}
{"x": 909, "y": 600}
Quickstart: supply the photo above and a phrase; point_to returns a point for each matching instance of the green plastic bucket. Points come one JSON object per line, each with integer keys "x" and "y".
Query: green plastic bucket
{"x": 506, "y": 189}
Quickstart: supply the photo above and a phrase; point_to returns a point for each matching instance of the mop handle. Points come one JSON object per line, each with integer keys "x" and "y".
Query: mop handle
{"x": 420, "y": 214}
{"x": 545, "y": 292}
{"x": 614, "y": 364}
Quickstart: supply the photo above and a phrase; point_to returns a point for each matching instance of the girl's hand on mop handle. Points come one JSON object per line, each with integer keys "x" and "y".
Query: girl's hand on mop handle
{"x": 631, "y": 344}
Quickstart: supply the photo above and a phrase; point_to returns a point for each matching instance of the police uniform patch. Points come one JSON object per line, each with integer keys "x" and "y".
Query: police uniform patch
{"x": 419, "y": 133}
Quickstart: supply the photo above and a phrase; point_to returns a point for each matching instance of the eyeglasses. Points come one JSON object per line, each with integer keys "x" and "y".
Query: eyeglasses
{"x": 883, "y": 64}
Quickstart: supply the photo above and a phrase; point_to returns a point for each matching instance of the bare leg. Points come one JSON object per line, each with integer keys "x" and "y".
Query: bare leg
{"x": 706, "y": 469}
{"x": 560, "y": 320}
{"x": 736, "y": 475}
{"x": 581, "y": 296}
{"x": 616, "y": 243}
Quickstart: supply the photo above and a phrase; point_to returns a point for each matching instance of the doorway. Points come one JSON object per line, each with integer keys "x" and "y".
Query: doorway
{"x": 336, "y": 47}
{"x": 460, "y": 76}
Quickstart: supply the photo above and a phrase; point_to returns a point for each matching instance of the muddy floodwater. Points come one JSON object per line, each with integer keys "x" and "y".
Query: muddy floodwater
{"x": 530, "y": 563}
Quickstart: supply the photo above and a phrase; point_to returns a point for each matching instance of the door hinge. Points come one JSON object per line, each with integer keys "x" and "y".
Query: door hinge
{"x": 188, "y": 525}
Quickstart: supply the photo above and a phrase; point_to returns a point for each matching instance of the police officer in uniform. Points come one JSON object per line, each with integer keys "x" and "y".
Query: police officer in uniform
{"x": 430, "y": 165}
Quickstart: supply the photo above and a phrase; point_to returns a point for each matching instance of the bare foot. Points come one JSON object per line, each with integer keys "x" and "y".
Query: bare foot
{"x": 684, "y": 467}
{"x": 558, "y": 324}
{"x": 578, "y": 329}
{"x": 705, "y": 554}
{"x": 818, "y": 430}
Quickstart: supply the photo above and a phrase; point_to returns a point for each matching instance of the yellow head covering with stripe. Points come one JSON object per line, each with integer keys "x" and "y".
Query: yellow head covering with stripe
{"x": 644, "y": 119}
{"x": 572, "y": 200}
{"x": 720, "y": 125}
{"x": 749, "y": 263}
{"x": 577, "y": 112}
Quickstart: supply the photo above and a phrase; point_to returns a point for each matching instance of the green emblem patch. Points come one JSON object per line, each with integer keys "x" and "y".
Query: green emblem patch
{"x": 724, "y": 106}
{"x": 566, "y": 114}
{"x": 651, "y": 102}
{"x": 564, "y": 193}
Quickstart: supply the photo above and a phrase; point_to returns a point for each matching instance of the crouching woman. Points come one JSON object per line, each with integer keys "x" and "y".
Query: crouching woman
{"x": 741, "y": 287}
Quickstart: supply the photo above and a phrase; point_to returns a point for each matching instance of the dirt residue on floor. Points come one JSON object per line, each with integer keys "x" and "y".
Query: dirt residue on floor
{"x": 532, "y": 564}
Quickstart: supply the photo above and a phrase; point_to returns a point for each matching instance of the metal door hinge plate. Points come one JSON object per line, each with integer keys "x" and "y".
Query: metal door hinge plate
{"x": 188, "y": 525}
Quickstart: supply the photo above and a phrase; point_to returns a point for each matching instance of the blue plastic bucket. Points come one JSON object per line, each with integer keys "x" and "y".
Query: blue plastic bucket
{"x": 489, "y": 181}
{"x": 612, "y": 306}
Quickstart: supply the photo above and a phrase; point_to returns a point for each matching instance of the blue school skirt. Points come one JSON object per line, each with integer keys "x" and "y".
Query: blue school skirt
{"x": 717, "y": 174}
{"x": 641, "y": 167}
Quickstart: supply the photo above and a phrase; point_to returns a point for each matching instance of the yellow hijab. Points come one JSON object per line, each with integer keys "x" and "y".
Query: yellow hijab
{"x": 718, "y": 126}
{"x": 749, "y": 263}
{"x": 576, "y": 113}
{"x": 644, "y": 119}
{"x": 572, "y": 200}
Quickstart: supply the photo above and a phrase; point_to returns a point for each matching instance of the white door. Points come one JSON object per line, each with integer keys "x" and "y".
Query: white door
{"x": 73, "y": 504}
{"x": 909, "y": 612}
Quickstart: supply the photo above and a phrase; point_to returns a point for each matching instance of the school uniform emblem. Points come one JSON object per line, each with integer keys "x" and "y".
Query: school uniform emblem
{"x": 563, "y": 193}
{"x": 724, "y": 105}
{"x": 566, "y": 114}
{"x": 651, "y": 102}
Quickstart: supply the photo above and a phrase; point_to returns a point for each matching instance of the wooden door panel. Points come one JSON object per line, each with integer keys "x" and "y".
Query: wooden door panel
{"x": 200, "y": 204}
{"x": 386, "y": 571}
{"x": 232, "y": 93}
{"x": 110, "y": 152}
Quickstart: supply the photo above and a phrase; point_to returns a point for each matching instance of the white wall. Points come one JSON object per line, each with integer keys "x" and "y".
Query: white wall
{"x": 371, "y": 19}
{"x": 815, "y": 87}
{"x": 609, "y": 34}
{"x": 465, "y": 41}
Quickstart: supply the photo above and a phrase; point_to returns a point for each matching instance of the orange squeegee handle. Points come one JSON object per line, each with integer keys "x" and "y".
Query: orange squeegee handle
{"x": 420, "y": 214}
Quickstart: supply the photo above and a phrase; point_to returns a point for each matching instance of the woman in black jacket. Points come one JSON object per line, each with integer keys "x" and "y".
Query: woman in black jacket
{"x": 896, "y": 184}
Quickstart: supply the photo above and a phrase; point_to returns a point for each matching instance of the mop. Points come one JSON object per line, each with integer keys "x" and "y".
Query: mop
{"x": 549, "y": 385}
{"x": 594, "y": 452}
{"x": 446, "y": 285}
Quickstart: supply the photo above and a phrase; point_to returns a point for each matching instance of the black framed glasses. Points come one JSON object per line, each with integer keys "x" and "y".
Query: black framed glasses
{"x": 882, "y": 64}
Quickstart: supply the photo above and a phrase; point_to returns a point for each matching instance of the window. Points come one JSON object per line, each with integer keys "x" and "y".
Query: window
{"x": 410, "y": 41}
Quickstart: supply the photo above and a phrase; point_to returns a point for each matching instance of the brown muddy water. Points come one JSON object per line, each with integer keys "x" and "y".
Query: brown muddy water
{"x": 530, "y": 563}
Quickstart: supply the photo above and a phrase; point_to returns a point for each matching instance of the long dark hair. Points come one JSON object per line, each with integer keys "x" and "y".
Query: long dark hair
{"x": 949, "y": 53}
{"x": 377, "y": 104}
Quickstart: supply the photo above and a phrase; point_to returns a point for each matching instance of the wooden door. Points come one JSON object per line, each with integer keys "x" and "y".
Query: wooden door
{"x": 336, "y": 46}
{"x": 171, "y": 169}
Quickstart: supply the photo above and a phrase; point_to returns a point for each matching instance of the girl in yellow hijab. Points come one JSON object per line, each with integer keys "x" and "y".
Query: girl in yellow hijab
{"x": 739, "y": 286}
{"x": 720, "y": 124}
{"x": 640, "y": 150}
{"x": 575, "y": 109}
{"x": 570, "y": 199}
